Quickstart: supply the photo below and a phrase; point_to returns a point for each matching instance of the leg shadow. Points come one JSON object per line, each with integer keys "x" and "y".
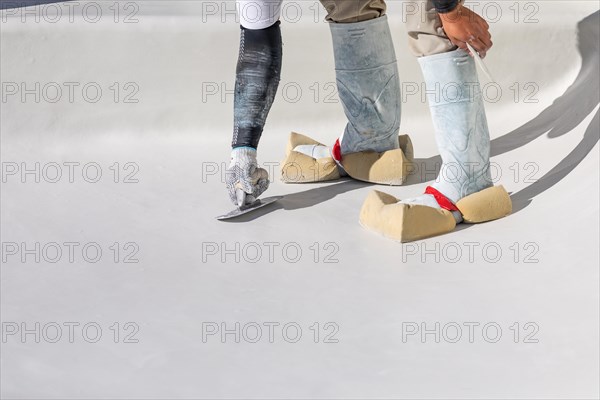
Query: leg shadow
{"x": 564, "y": 115}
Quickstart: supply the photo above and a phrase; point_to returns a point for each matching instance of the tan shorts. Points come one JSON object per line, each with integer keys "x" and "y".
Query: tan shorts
{"x": 425, "y": 34}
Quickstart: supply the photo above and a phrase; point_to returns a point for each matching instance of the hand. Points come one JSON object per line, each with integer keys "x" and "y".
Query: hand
{"x": 244, "y": 180}
{"x": 463, "y": 25}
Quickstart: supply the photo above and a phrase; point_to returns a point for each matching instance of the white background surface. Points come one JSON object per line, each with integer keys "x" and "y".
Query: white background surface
{"x": 178, "y": 133}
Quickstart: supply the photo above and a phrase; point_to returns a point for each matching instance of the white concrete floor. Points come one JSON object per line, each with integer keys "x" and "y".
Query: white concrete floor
{"x": 522, "y": 291}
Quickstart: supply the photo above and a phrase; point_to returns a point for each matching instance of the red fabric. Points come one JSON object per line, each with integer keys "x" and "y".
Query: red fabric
{"x": 337, "y": 151}
{"x": 442, "y": 200}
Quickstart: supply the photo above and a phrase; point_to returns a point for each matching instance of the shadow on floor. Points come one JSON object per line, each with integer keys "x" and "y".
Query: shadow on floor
{"x": 307, "y": 198}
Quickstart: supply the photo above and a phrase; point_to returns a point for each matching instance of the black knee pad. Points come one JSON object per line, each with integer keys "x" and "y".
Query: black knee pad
{"x": 257, "y": 78}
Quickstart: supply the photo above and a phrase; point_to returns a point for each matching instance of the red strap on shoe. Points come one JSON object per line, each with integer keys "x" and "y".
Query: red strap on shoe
{"x": 337, "y": 151}
{"x": 442, "y": 200}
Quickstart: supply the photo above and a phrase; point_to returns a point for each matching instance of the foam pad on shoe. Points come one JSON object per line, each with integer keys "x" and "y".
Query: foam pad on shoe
{"x": 407, "y": 147}
{"x": 486, "y": 205}
{"x": 300, "y": 168}
{"x": 297, "y": 139}
{"x": 382, "y": 213}
{"x": 387, "y": 168}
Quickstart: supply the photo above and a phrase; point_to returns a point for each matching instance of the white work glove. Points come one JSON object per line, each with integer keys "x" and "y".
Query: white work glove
{"x": 244, "y": 179}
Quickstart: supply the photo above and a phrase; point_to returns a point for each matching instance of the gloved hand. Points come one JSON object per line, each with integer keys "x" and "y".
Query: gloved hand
{"x": 244, "y": 179}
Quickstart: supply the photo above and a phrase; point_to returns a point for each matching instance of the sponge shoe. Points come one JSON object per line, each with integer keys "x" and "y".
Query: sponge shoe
{"x": 307, "y": 160}
{"x": 464, "y": 189}
{"x": 389, "y": 167}
{"x": 407, "y": 221}
{"x": 368, "y": 84}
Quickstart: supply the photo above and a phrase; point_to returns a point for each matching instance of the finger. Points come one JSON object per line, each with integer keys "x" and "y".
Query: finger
{"x": 479, "y": 52}
{"x": 469, "y": 41}
{"x": 246, "y": 185}
{"x": 240, "y": 197}
{"x": 232, "y": 195}
{"x": 260, "y": 173}
{"x": 490, "y": 45}
{"x": 486, "y": 40}
{"x": 230, "y": 177}
{"x": 479, "y": 47}
{"x": 261, "y": 186}
{"x": 484, "y": 35}
{"x": 230, "y": 184}
{"x": 461, "y": 45}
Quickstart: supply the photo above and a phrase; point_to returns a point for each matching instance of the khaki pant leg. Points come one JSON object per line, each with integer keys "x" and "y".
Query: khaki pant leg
{"x": 347, "y": 11}
{"x": 426, "y": 36}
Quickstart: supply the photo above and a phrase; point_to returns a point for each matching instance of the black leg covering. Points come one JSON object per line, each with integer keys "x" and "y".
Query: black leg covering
{"x": 257, "y": 79}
